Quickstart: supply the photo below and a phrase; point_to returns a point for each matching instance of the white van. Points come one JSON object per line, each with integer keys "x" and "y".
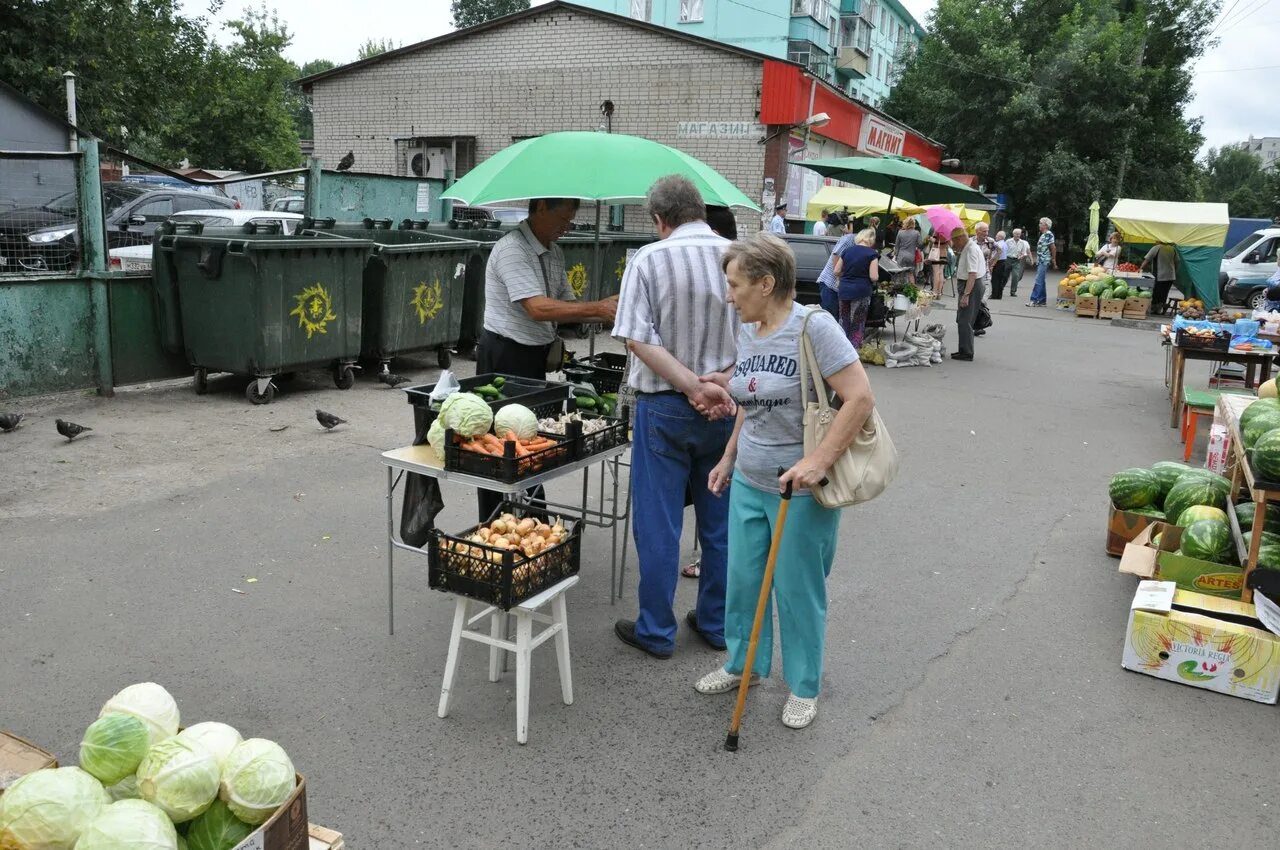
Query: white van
{"x": 1252, "y": 257}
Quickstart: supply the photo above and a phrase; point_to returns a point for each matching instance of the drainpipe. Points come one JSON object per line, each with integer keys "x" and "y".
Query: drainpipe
{"x": 70, "y": 80}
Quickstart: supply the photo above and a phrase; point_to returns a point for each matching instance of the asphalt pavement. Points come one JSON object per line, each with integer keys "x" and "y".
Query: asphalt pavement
{"x": 973, "y": 694}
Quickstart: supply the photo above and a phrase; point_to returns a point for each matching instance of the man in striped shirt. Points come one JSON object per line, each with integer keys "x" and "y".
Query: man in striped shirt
{"x": 674, "y": 318}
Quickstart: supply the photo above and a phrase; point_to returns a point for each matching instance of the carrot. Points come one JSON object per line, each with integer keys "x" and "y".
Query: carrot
{"x": 493, "y": 443}
{"x": 539, "y": 445}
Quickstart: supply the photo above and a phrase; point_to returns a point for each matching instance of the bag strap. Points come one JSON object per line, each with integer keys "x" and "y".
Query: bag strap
{"x": 809, "y": 360}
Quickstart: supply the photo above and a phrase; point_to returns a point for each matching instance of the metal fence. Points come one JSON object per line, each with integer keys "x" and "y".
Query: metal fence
{"x": 39, "y": 213}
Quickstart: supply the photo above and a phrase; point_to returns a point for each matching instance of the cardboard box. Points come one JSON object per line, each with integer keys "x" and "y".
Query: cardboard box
{"x": 287, "y": 829}
{"x": 1123, "y": 527}
{"x": 1087, "y": 306}
{"x": 1136, "y": 308}
{"x": 19, "y": 757}
{"x": 1145, "y": 560}
{"x": 1219, "y": 448}
{"x": 1112, "y": 308}
{"x": 1066, "y": 293}
{"x": 325, "y": 839}
{"x": 1198, "y": 640}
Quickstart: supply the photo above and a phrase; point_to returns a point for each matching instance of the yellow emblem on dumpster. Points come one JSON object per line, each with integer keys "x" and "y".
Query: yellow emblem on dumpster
{"x": 427, "y": 301}
{"x": 578, "y": 280}
{"x": 314, "y": 310}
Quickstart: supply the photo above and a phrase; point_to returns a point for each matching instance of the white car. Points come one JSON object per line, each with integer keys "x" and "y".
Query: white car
{"x": 136, "y": 259}
{"x": 293, "y": 204}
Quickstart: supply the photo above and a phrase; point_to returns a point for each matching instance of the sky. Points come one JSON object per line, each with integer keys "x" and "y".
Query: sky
{"x": 1234, "y": 82}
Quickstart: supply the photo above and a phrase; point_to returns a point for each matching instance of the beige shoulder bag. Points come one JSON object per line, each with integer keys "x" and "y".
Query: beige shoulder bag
{"x": 869, "y": 464}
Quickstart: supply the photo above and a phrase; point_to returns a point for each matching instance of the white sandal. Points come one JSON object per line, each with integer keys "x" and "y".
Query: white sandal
{"x": 721, "y": 681}
{"x": 799, "y": 712}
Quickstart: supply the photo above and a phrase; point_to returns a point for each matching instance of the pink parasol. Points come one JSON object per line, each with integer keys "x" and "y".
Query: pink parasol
{"x": 943, "y": 220}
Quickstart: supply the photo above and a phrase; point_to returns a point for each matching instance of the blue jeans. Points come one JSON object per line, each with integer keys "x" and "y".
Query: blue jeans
{"x": 1038, "y": 294}
{"x": 676, "y": 447}
{"x": 830, "y": 300}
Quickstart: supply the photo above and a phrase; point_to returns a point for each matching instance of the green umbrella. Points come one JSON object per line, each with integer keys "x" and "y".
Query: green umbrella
{"x": 898, "y": 177}
{"x": 606, "y": 167}
{"x": 1091, "y": 244}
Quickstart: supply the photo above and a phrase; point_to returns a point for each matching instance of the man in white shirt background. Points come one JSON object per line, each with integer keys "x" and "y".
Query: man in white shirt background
{"x": 1016, "y": 258}
{"x": 778, "y": 224}
{"x": 971, "y": 281}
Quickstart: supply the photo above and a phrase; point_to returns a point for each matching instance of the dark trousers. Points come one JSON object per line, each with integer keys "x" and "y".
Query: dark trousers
{"x": 498, "y": 354}
{"x": 999, "y": 274}
{"x": 1160, "y": 296}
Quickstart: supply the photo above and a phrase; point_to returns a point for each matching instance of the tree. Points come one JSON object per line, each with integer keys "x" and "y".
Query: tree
{"x": 468, "y": 13}
{"x": 373, "y": 46}
{"x": 302, "y": 117}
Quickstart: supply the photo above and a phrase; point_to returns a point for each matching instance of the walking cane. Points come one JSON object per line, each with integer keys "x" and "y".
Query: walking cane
{"x": 766, "y": 585}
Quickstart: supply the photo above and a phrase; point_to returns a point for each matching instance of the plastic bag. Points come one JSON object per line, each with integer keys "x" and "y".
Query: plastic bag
{"x": 422, "y": 499}
{"x": 445, "y": 387}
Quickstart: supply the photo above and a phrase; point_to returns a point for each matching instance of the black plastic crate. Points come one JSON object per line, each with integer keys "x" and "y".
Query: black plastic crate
{"x": 1217, "y": 342}
{"x": 604, "y": 371}
{"x": 500, "y": 577}
{"x": 512, "y": 467}
{"x": 617, "y": 434}
{"x": 544, "y": 398}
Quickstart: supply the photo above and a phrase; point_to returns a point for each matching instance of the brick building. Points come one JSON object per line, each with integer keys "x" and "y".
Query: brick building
{"x": 438, "y": 107}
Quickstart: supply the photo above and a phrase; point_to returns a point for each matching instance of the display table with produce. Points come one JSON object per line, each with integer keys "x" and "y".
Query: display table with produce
{"x": 1254, "y": 425}
{"x": 1192, "y": 345}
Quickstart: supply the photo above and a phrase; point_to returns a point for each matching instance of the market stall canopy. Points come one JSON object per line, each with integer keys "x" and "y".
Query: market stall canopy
{"x": 897, "y": 176}
{"x": 1196, "y": 231}
{"x": 610, "y": 168}
{"x": 860, "y": 202}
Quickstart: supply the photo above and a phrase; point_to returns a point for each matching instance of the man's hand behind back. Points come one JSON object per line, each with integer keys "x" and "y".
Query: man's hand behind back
{"x": 711, "y": 397}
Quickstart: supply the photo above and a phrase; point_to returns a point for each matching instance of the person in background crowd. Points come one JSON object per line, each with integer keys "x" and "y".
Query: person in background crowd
{"x": 1000, "y": 271}
{"x": 971, "y": 280}
{"x": 829, "y": 291}
{"x": 778, "y": 224}
{"x": 1272, "y": 293}
{"x": 768, "y": 433}
{"x": 1017, "y": 256}
{"x": 1046, "y": 255}
{"x": 891, "y": 231}
{"x": 981, "y": 235}
{"x": 937, "y": 261}
{"x": 906, "y": 244}
{"x": 874, "y": 224}
{"x": 857, "y": 268}
{"x": 676, "y": 322}
{"x": 526, "y": 293}
{"x": 1109, "y": 255}
{"x": 1165, "y": 257}
{"x": 820, "y": 226}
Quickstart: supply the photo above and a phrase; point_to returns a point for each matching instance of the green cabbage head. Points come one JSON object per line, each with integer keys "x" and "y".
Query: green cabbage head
{"x": 125, "y": 789}
{"x": 151, "y": 704}
{"x": 218, "y": 738}
{"x": 129, "y": 825}
{"x": 435, "y": 437}
{"x": 217, "y": 829}
{"x": 517, "y": 418}
{"x": 48, "y": 809}
{"x": 113, "y": 747}
{"x": 467, "y": 414}
{"x": 180, "y": 777}
{"x": 256, "y": 779}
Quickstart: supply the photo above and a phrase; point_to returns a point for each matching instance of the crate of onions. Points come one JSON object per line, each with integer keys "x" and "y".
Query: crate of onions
{"x": 516, "y": 555}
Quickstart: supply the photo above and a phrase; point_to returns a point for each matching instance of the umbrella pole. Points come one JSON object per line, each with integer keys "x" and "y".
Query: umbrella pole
{"x": 595, "y": 276}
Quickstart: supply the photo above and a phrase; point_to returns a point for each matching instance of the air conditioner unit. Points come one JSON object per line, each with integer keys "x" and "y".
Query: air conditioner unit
{"x": 427, "y": 162}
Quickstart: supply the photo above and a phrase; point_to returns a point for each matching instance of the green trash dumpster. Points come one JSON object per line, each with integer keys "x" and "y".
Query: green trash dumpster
{"x": 260, "y": 304}
{"x": 413, "y": 288}
{"x": 620, "y": 247}
{"x": 471, "y": 308}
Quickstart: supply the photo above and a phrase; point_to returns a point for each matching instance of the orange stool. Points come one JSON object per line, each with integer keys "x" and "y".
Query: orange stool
{"x": 1197, "y": 404}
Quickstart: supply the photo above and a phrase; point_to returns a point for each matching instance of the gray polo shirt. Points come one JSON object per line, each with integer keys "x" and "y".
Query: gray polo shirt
{"x": 521, "y": 267}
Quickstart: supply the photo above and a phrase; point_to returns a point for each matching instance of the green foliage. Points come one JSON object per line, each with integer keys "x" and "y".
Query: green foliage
{"x": 373, "y": 46}
{"x": 468, "y": 13}
{"x": 1236, "y": 177}
{"x": 302, "y": 118}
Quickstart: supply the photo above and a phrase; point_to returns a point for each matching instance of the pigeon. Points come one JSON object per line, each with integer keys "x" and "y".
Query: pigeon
{"x": 392, "y": 380}
{"x": 328, "y": 420}
{"x": 9, "y": 421}
{"x": 347, "y": 161}
{"x": 71, "y": 430}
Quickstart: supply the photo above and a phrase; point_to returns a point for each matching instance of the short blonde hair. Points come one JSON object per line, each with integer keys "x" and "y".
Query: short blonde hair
{"x": 866, "y": 237}
{"x": 764, "y": 255}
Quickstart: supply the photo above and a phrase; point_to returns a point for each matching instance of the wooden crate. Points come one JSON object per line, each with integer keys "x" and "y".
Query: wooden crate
{"x": 324, "y": 839}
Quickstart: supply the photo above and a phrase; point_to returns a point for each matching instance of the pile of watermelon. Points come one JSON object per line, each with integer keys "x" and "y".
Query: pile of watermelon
{"x": 1184, "y": 496}
{"x": 1269, "y": 550}
{"x": 1260, "y": 433}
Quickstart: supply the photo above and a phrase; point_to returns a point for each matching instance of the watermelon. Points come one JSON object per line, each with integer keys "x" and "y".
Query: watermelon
{"x": 1265, "y": 456}
{"x": 1199, "y": 512}
{"x": 1269, "y": 557}
{"x": 1168, "y": 472}
{"x": 1134, "y": 488}
{"x": 1257, "y": 408}
{"x": 1096, "y": 287}
{"x": 1120, "y": 291}
{"x": 1106, "y": 295}
{"x": 1244, "y": 515}
{"x": 1213, "y": 479}
{"x": 1207, "y": 540}
{"x": 1148, "y": 510}
{"x": 1193, "y": 490}
{"x": 1258, "y": 425}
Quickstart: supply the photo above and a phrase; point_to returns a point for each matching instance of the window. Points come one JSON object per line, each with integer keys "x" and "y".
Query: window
{"x": 833, "y": 31}
{"x": 855, "y": 32}
{"x": 642, "y": 10}
{"x": 812, "y": 8}
{"x": 800, "y": 52}
{"x": 157, "y": 210}
{"x": 690, "y": 11}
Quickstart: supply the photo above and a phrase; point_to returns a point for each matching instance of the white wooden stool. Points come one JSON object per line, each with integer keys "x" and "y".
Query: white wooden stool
{"x": 525, "y": 643}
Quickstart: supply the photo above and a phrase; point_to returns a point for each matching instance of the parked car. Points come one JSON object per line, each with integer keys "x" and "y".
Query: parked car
{"x": 47, "y": 239}
{"x": 291, "y": 204}
{"x": 811, "y": 257}
{"x": 1250, "y": 291}
{"x": 137, "y": 258}
{"x": 1252, "y": 257}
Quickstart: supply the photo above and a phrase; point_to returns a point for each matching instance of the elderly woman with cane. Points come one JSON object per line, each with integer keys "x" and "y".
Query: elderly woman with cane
{"x": 765, "y": 384}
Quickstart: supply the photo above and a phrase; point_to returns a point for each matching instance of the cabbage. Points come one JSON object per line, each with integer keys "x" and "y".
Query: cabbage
{"x": 218, "y": 738}
{"x": 125, "y": 789}
{"x": 129, "y": 825}
{"x": 467, "y": 414}
{"x": 217, "y": 829}
{"x": 257, "y": 778}
{"x": 435, "y": 437}
{"x": 182, "y": 843}
{"x": 48, "y": 809}
{"x": 517, "y": 418}
{"x": 113, "y": 746}
{"x": 180, "y": 777}
{"x": 151, "y": 704}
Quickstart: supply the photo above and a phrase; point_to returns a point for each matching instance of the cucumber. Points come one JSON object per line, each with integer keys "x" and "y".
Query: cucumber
{"x": 498, "y": 381}
{"x": 487, "y": 391}
{"x": 585, "y": 402}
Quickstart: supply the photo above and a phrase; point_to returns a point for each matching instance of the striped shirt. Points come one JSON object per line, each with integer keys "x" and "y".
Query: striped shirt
{"x": 673, "y": 295}
{"x": 521, "y": 267}
{"x": 828, "y": 274}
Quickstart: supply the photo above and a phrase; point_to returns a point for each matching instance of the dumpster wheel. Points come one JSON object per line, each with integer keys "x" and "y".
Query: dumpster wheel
{"x": 444, "y": 357}
{"x": 344, "y": 376}
{"x": 265, "y": 397}
{"x": 200, "y": 380}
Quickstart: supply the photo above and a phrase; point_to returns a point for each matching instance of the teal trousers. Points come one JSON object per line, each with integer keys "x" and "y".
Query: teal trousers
{"x": 805, "y": 556}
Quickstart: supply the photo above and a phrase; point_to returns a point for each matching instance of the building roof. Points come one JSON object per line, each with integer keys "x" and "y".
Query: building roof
{"x": 901, "y": 12}
{"x": 56, "y": 119}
